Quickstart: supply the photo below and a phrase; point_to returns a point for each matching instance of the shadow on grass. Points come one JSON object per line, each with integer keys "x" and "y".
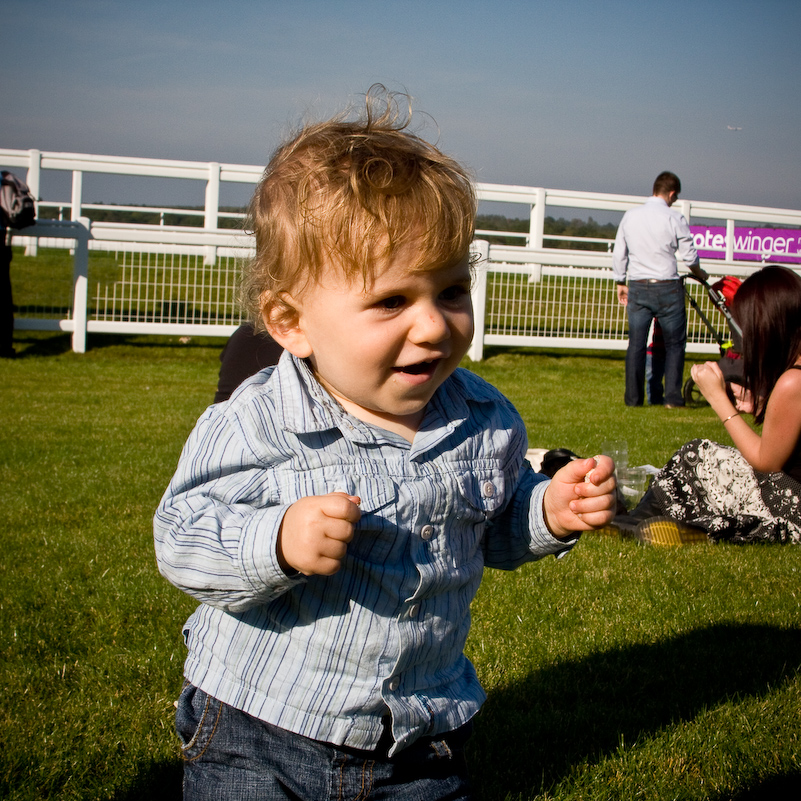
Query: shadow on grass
{"x": 32, "y": 345}
{"x": 167, "y": 342}
{"x": 777, "y": 788}
{"x": 159, "y": 781}
{"x": 551, "y": 353}
{"x": 530, "y": 734}
{"x": 48, "y": 344}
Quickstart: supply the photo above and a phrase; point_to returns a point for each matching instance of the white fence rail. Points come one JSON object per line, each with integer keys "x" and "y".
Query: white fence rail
{"x": 168, "y": 279}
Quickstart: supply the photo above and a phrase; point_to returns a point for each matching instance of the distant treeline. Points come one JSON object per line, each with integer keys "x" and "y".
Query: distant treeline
{"x": 486, "y": 222}
{"x": 146, "y": 217}
{"x": 557, "y": 227}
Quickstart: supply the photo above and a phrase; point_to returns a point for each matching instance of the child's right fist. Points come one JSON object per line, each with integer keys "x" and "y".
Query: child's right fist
{"x": 315, "y": 533}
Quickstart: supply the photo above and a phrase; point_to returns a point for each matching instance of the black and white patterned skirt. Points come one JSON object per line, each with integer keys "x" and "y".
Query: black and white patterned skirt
{"x": 713, "y": 487}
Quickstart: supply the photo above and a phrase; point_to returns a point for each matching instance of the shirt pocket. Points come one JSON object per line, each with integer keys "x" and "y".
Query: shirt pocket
{"x": 482, "y": 494}
{"x": 377, "y": 538}
{"x": 376, "y": 531}
{"x": 483, "y": 490}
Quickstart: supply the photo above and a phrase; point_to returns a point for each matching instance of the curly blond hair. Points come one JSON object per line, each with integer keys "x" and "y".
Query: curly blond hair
{"x": 350, "y": 193}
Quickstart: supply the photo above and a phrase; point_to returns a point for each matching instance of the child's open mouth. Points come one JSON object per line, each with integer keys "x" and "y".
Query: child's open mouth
{"x": 420, "y": 368}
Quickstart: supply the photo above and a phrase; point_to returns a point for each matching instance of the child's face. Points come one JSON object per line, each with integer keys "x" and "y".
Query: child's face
{"x": 383, "y": 350}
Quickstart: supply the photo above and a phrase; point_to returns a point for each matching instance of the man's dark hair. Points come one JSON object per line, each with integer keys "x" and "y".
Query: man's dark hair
{"x": 667, "y": 182}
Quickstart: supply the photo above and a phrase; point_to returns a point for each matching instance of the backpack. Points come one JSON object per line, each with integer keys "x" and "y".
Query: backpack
{"x": 16, "y": 202}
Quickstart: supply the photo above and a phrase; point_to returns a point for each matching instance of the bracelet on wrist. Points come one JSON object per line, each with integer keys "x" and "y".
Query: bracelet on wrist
{"x": 736, "y": 414}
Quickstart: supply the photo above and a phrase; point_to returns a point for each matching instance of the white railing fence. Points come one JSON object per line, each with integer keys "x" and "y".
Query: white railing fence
{"x": 171, "y": 279}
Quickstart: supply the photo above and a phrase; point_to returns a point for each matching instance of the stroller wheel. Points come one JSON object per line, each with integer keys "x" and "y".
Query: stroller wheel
{"x": 691, "y": 393}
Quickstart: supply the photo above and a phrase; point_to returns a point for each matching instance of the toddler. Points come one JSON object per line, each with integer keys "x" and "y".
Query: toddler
{"x": 334, "y": 517}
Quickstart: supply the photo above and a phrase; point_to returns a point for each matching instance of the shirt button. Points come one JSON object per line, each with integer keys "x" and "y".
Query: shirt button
{"x": 488, "y": 489}
{"x": 393, "y": 685}
{"x": 413, "y": 610}
{"x": 427, "y": 532}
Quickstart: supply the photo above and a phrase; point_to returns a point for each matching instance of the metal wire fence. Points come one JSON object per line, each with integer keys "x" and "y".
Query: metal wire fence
{"x": 573, "y": 304}
{"x": 169, "y": 288}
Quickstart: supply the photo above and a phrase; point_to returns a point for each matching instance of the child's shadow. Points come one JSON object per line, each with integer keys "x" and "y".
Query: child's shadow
{"x": 155, "y": 781}
{"x": 530, "y": 734}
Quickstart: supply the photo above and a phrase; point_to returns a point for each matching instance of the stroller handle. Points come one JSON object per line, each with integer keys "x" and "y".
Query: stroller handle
{"x": 700, "y": 275}
{"x": 699, "y": 272}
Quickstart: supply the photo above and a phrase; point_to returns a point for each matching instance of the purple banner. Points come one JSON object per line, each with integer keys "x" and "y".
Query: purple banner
{"x": 750, "y": 244}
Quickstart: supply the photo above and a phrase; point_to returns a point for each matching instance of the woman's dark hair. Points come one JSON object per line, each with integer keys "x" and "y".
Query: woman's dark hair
{"x": 768, "y": 308}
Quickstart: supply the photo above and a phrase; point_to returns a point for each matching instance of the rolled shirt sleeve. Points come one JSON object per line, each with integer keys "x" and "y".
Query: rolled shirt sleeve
{"x": 216, "y": 528}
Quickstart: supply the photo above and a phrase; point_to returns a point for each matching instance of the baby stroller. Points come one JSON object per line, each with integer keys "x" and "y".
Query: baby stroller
{"x": 721, "y": 294}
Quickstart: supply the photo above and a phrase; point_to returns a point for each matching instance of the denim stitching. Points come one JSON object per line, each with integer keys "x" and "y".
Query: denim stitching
{"x": 200, "y": 729}
{"x": 442, "y": 749}
{"x": 367, "y": 779}
{"x": 367, "y": 785}
{"x": 341, "y": 778}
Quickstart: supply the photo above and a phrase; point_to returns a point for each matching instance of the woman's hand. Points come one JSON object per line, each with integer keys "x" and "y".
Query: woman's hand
{"x": 742, "y": 398}
{"x": 709, "y": 379}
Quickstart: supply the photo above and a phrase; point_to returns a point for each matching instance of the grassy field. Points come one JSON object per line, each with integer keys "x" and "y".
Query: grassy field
{"x": 621, "y": 672}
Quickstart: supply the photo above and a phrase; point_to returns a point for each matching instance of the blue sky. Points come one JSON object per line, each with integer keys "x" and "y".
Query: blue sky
{"x": 574, "y": 94}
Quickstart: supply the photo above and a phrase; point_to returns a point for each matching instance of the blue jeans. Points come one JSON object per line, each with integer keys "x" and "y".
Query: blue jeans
{"x": 665, "y": 301}
{"x": 655, "y": 368}
{"x": 229, "y": 755}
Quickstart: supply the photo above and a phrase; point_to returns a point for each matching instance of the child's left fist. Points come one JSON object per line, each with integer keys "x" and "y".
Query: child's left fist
{"x": 581, "y": 496}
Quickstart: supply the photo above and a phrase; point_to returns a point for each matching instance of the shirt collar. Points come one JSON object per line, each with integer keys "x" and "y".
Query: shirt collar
{"x": 304, "y": 407}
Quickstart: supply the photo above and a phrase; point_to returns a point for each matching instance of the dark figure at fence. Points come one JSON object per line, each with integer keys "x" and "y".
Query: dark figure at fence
{"x": 245, "y": 353}
{"x": 648, "y": 240}
{"x": 6, "y": 300}
{"x": 335, "y": 517}
{"x": 749, "y": 493}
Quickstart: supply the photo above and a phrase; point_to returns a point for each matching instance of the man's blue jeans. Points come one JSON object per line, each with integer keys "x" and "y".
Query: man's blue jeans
{"x": 663, "y": 300}
{"x": 230, "y": 755}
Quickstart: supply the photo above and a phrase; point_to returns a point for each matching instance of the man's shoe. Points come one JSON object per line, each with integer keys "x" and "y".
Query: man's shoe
{"x": 673, "y": 405}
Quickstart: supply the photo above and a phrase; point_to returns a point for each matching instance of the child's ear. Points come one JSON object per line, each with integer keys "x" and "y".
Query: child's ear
{"x": 282, "y": 319}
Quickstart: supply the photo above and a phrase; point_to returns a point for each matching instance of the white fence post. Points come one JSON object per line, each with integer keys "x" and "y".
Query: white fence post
{"x": 537, "y": 221}
{"x": 480, "y": 248}
{"x": 536, "y": 230}
{"x": 77, "y": 192}
{"x": 210, "y": 220}
{"x": 80, "y": 301}
{"x": 729, "y": 240}
{"x": 33, "y": 179}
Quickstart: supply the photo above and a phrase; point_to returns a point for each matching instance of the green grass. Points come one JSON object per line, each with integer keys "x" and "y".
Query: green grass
{"x": 621, "y": 672}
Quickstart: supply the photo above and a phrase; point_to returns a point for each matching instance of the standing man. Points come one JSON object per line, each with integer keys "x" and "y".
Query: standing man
{"x": 648, "y": 239}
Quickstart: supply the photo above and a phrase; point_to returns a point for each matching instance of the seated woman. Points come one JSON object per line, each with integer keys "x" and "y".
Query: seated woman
{"x": 749, "y": 493}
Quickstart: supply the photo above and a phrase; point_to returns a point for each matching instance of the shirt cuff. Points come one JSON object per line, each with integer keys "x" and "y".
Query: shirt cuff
{"x": 543, "y": 542}
{"x": 258, "y": 553}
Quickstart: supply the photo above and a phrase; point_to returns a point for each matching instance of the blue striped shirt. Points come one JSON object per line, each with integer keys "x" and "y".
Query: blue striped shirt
{"x": 328, "y": 657}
